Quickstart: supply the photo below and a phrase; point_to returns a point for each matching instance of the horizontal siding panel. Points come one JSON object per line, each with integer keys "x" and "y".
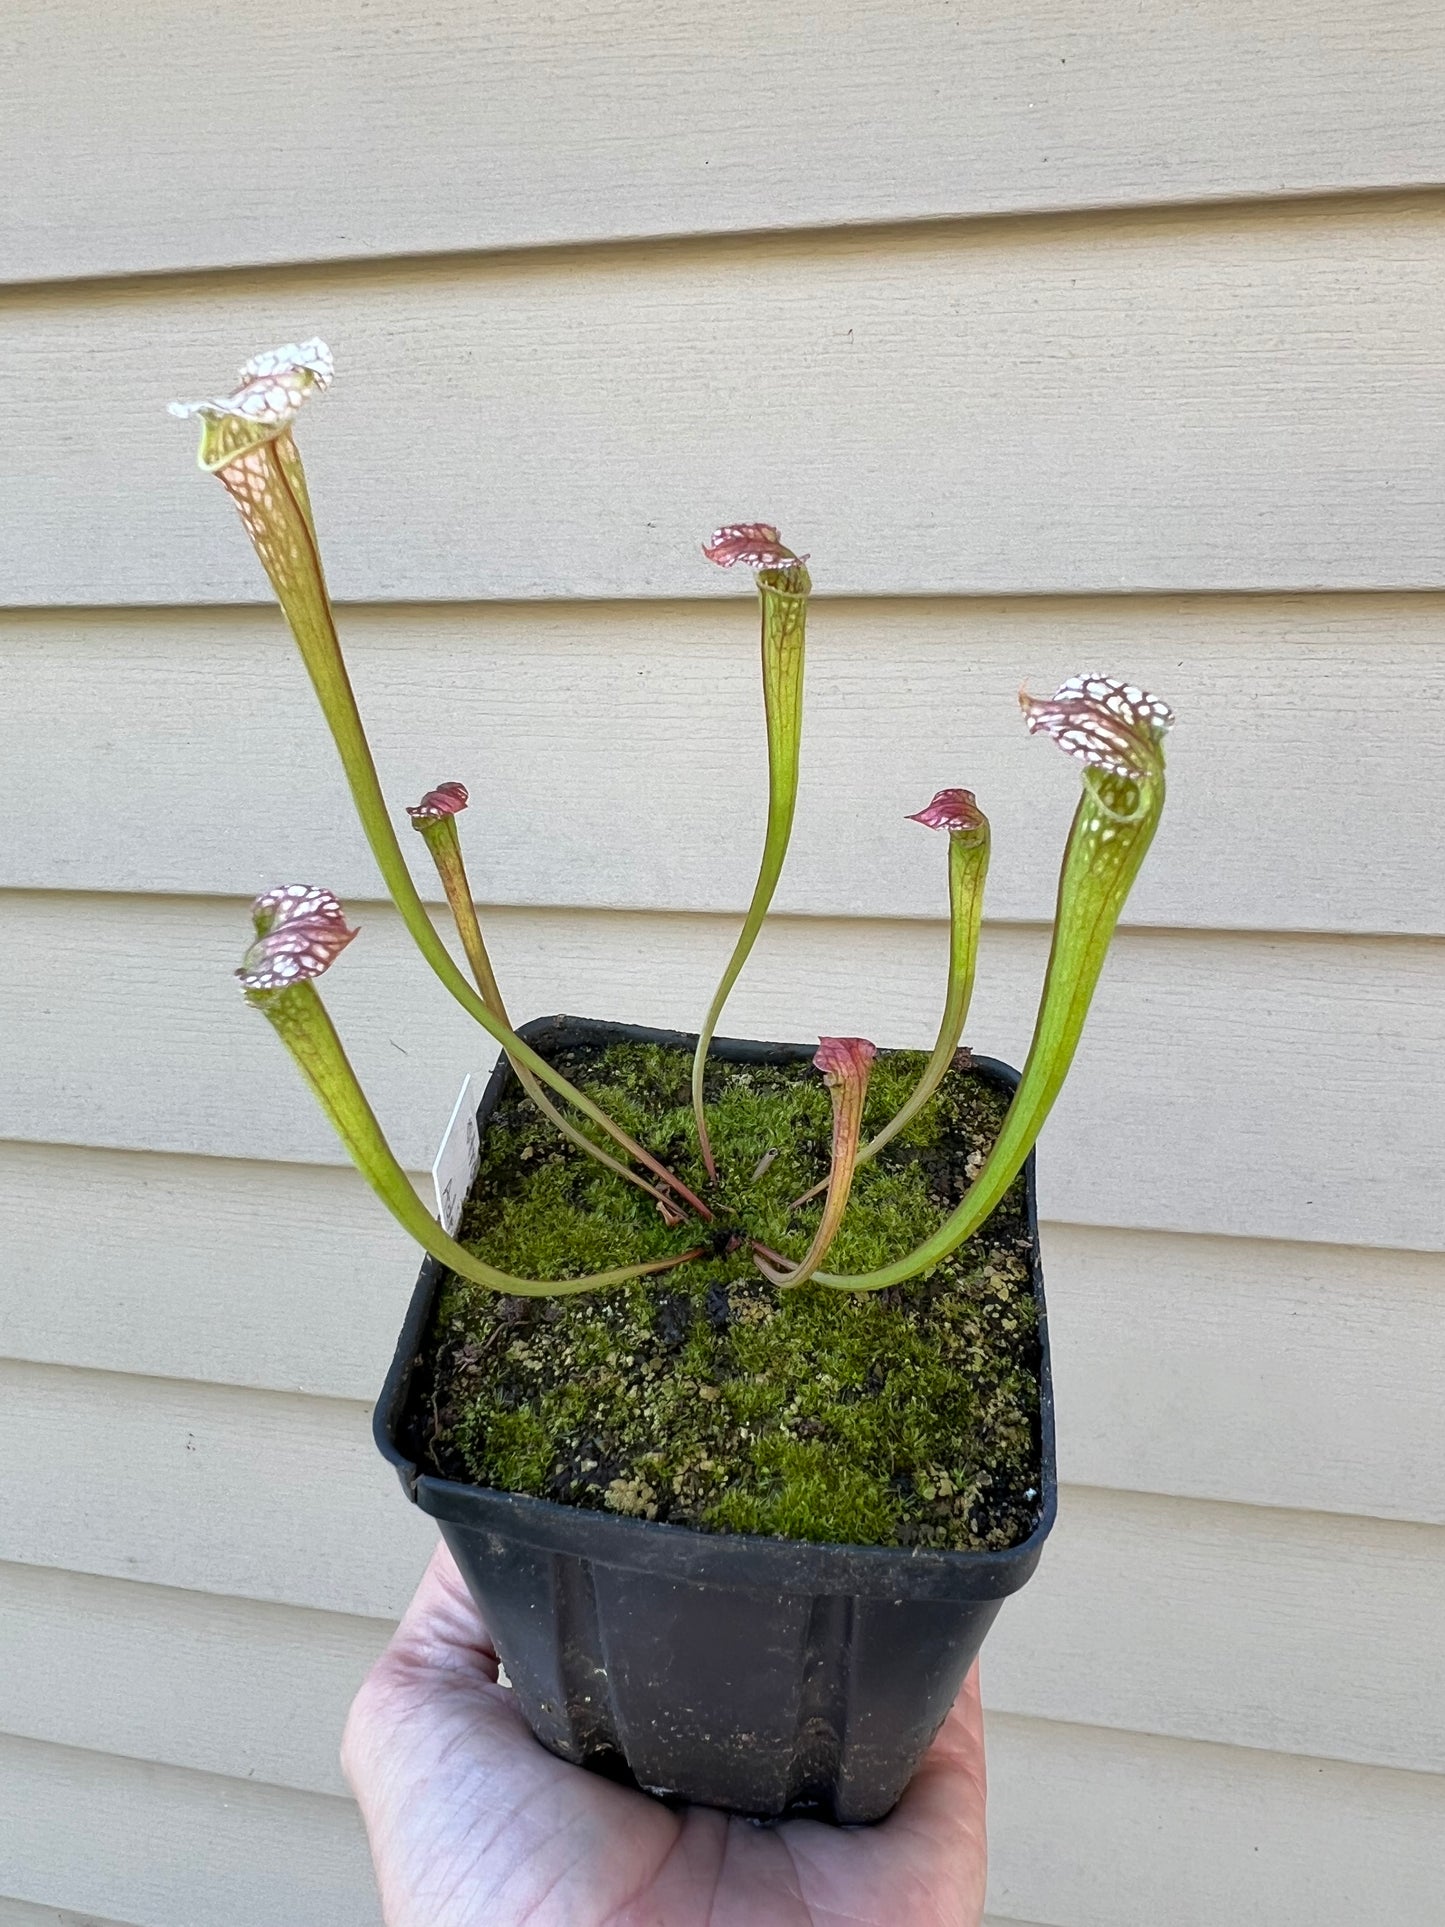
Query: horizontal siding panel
{"x": 205, "y": 1487}
{"x": 169, "y": 1849}
{"x": 509, "y": 126}
{"x": 1292, "y": 1375}
{"x": 1298, "y": 1375}
{"x": 290, "y": 1278}
{"x": 24, "y": 1913}
{"x": 219, "y": 1685}
{"x": 1227, "y": 1112}
{"x": 1289, "y": 1631}
{"x": 1234, "y": 400}
{"x": 1286, "y": 1631}
{"x": 903, "y": 698}
{"x": 1104, "y": 1829}
{"x": 1207, "y": 1834}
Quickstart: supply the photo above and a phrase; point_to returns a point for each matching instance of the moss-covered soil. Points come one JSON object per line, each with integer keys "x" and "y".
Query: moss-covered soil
{"x": 707, "y": 1397}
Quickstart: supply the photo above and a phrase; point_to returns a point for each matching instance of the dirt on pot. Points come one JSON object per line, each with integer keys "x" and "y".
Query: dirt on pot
{"x": 707, "y": 1397}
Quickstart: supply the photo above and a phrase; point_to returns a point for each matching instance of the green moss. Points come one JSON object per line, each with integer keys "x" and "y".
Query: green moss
{"x": 707, "y": 1397}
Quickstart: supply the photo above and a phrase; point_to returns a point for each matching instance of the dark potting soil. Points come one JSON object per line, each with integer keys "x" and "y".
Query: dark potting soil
{"x": 707, "y": 1397}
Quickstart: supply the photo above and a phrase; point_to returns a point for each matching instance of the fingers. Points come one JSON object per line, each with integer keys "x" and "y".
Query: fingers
{"x": 947, "y": 1800}
{"x": 441, "y": 1648}
{"x": 959, "y": 1741}
{"x": 927, "y": 1862}
{"x": 442, "y": 1627}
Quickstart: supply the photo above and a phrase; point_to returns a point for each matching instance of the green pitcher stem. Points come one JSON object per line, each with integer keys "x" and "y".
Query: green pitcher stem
{"x": 784, "y": 626}
{"x": 268, "y": 485}
{"x": 1112, "y": 830}
{"x": 304, "y": 1025}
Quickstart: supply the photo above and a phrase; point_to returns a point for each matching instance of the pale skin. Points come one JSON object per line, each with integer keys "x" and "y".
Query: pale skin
{"x": 473, "y": 1824}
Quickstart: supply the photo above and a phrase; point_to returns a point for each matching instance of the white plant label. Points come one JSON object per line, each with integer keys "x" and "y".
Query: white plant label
{"x": 459, "y": 1154}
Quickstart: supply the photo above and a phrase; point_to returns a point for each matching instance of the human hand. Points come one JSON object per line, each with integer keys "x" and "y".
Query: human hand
{"x": 473, "y": 1823}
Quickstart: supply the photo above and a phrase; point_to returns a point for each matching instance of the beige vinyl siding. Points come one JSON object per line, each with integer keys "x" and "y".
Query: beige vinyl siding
{"x": 329, "y": 135}
{"x": 1224, "y": 399}
{"x": 1207, "y": 1833}
{"x": 664, "y": 810}
{"x": 1174, "y": 407}
{"x": 163, "y": 1848}
{"x": 1203, "y": 1053}
{"x": 21, "y": 1913}
{"x": 1137, "y": 1831}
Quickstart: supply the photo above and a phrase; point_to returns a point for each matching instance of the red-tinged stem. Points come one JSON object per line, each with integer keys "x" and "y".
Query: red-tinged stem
{"x": 442, "y": 840}
{"x": 845, "y": 1063}
{"x": 967, "y": 869}
{"x": 766, "y": 1251}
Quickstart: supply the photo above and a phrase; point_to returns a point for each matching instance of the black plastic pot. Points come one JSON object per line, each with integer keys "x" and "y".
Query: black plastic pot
{"x": 766, "y": 1676}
